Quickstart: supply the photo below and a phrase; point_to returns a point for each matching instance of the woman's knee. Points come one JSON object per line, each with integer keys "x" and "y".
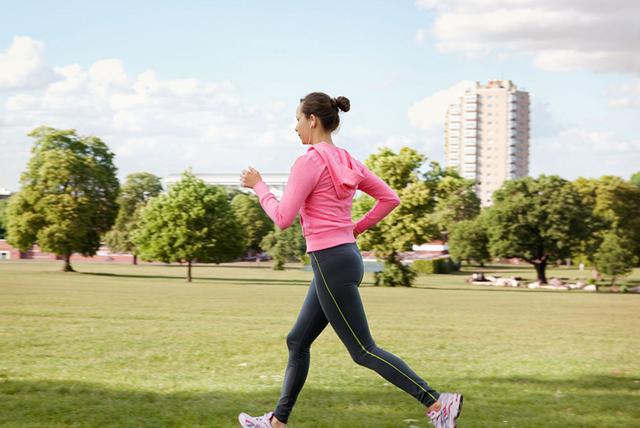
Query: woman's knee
{"x": 363, "y": 357}
{"x": 295, "y": 343}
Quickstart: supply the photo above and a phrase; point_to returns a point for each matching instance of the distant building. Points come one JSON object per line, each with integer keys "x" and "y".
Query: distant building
{"x": 487, "y": 135}
{"x": 231, "y": 180}
{"x": 4, "y": 193}
{"x": 7, "y": 252}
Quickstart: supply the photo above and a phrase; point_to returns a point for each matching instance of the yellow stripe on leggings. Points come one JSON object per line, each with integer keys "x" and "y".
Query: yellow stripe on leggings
{"x": 356, "y": 337}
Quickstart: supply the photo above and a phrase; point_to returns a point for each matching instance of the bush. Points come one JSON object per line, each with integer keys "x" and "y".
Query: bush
{"x": 394, "y": 275}
{"x": 429, "y": 267}
{"x": 305, "y": 259}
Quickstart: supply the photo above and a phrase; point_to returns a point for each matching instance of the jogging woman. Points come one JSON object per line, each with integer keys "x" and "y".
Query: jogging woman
{"x": 321, "y": 186}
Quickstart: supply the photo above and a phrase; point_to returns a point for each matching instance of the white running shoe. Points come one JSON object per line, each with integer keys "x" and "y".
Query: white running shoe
{"x": 451, "y": 406}
{"x": 263, "y": 421}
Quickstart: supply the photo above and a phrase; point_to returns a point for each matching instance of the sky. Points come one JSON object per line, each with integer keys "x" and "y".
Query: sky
{"x": 214, "y": 85}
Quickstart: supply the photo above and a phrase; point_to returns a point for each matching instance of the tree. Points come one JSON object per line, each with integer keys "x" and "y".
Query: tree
{"x": 456, "y": 199}
{"x": 409, "y": 223}
{"x": 192, "y": 222}
{"x": 255, "y": 222}
{"x": 3, "y": 217}
{"x": 635, "y": 178}
{"x": 134, "y": 194}
{"x": 613, "y": 204}
{"x": 284, "y": 245}
{"x": 68, "y": 195}
{"x": 468, "y": 241}
{"x": 615, "y": 257}
{"x": 537, "y": 220}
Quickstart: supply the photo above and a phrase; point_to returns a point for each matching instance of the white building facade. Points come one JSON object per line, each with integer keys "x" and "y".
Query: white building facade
{"x": 487, "y": 136}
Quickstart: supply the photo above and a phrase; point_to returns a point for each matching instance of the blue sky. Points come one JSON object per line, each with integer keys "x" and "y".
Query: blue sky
{"x": 82, "y": 65}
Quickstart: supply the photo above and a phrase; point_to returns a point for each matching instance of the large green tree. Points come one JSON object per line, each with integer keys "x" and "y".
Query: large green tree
{"x": 537, "y": 220}
{"x": 285, "y": 245}
{"x": 615, "y": 257}
{"x": 409, "y": 223}
{"x": 468, "y": 241}
{"x": 635, "y": 179}
{"x": 68, "y": 195}
{"x": 613, "y": 205}
{"x": 138, "y": 188}
{"x": 255, "y": 222}
{"x": 456, "y": 199}
{"x": 192, "y": 222}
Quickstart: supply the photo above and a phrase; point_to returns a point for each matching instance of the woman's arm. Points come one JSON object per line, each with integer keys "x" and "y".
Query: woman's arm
{"x": 386, "y": 200}
{"x": 303, "y": 177}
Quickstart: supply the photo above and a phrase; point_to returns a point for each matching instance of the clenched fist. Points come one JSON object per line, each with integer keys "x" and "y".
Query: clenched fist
{"x": 250, "y": 177}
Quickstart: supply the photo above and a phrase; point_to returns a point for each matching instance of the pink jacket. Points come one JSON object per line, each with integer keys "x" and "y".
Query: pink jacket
{"x": 321, "y": 186}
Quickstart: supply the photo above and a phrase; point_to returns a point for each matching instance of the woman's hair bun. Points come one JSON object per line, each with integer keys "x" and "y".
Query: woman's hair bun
{"x": 343, "y": 103}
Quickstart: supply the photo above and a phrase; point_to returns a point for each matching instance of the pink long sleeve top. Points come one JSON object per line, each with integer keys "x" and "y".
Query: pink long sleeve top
{"x": 321, "y": 186}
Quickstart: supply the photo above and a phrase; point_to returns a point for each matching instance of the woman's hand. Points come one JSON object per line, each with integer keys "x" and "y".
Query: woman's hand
{"x": 250, "y": 177}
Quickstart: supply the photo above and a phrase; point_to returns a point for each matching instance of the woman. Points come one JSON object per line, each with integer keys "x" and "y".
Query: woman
{"x": 321, "y": 187}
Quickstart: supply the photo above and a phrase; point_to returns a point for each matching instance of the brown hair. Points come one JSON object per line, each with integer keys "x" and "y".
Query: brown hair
{"x": 325, "y": 108}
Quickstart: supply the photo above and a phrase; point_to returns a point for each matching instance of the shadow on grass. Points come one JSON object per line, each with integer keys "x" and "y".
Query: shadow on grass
{"x": 199, "y": 278}
{"x": 501, "y": 289}
{"x": 304, "y": 283}
{"x": 48, "y": 403}
{"x": 489, "y": 401}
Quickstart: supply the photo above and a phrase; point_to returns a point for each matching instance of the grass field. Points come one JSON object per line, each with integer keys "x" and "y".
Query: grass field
{"x": 137, "y": 346}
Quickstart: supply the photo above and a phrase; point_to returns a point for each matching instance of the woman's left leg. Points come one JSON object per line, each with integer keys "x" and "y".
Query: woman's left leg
{"x": 308, "y": 326}
{"x": 338, "y": 272}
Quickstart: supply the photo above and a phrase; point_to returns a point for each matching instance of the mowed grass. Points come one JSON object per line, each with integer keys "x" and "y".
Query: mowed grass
{"x": 137, "y": 346}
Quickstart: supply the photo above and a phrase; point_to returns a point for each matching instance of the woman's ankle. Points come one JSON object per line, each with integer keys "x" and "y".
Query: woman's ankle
{"x": 435, "y": 406}
{"x": 275, "y": 423}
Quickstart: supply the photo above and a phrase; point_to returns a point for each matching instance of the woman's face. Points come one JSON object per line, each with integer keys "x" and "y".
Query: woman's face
{"x": 303, "y": 126}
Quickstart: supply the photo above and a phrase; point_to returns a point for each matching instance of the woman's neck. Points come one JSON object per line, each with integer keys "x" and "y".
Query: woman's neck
{"x": 315, "y": 139}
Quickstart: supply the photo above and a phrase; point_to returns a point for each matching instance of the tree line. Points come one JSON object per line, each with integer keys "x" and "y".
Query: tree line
{"x": 70, "y": 201}
{"x": 547, "y": 219}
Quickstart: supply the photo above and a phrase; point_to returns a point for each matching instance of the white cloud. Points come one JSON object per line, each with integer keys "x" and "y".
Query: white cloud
{"x": 152, "y": 124}
{"x": 429, "y": 113}
{"x": 560, "y": 34}
{"x": 573, "y": 151}
{"x": 625, "y": 96}
{"x": 22, "y": 65}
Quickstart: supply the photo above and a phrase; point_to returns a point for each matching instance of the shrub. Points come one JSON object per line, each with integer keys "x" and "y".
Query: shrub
{"x": 429, "y": 267}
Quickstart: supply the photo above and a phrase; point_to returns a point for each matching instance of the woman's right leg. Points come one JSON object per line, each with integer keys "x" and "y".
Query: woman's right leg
{"x": 310, "y": 323}
{"x": 338, "y": 271}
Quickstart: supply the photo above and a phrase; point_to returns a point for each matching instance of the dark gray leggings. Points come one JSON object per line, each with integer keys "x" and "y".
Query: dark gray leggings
{"x": 333, "y": 297}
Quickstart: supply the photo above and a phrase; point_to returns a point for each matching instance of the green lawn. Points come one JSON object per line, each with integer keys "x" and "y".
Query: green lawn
{"x": 137, "y": 346}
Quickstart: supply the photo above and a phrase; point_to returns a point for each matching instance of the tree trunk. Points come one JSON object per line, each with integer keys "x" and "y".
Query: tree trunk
{"x": 189, "y": 272}
{"x": 541, "y": 271}
{"x": 67, "y": 263}
{"x": 135, "y": 259}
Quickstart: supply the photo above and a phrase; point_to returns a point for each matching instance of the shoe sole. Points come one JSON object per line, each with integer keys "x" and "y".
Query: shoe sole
{"x": 455, "y": 424}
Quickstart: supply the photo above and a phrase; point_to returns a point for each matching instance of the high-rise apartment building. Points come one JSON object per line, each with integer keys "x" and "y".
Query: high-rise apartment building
{"x": 487, "y": 135}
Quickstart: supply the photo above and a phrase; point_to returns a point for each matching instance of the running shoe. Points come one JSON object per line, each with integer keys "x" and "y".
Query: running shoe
{"x": 263, "y": 421}
{"x": 451, "y": 406}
